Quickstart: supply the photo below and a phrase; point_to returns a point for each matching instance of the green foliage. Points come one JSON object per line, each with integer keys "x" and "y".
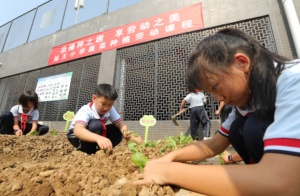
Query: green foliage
{"x": 164, "y": 148}
{"x": 172, "y": 142}
{"x": 220, "y": 160}
{"x": 32, "y": 133}
{"x": 158, "y": 142}
{"x": 54, "y": 132}
{"x": 131, "y": 146}
{"x": 131, "y": 132}
{"x": 140, "y": 160}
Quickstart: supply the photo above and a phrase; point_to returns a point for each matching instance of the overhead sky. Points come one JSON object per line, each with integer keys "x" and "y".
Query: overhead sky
{"x": 10, "y": 9}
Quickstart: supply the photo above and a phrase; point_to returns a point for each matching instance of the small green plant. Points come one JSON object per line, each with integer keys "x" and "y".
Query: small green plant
{"x": 173, "y": 141}
{"x": 54, "y": 132}
{"x": 32, "y": 133}
{"x": 131, "y": 132}
{"x": 137, "y": 158}
{"x": 220, "y": 160}
{"x": 140, "y": 160}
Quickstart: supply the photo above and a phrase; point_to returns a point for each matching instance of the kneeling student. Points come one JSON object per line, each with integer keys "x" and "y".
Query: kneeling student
{"x": 88, "y": 131}
{"x": 18, "y": 120}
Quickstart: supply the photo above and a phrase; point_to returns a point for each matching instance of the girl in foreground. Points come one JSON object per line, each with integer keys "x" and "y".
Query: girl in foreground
{"x": 263, "y": 127}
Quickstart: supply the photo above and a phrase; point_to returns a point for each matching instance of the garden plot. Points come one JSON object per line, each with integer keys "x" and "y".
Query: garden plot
{"x": 50, "y": 165}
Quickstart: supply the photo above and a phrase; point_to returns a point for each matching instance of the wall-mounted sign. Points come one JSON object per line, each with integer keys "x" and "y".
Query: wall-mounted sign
{"x": 54, "y": 88}
{"x": 171, "y": 23}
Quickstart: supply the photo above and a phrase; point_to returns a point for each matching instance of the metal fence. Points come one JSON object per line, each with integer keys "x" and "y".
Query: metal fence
{"x": 150, "y": 77}
{"x": 52, "y": 16}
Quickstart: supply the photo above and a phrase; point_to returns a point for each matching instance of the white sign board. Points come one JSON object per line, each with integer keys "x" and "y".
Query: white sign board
{"x": 54, "y": 88}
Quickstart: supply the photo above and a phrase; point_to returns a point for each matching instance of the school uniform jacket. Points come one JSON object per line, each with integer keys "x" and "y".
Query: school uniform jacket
{"x": 283, "y": 135}
{"x": 89, "y": 112}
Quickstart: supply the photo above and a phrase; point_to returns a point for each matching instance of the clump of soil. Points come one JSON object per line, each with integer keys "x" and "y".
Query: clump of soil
{"x": 50, "y": 165}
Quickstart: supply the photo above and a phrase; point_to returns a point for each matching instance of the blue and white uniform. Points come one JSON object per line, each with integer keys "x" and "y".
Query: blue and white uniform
{"x": 282, "y": 135}
{"x": 198, "y": 114}
{"x": 88, "y": 112}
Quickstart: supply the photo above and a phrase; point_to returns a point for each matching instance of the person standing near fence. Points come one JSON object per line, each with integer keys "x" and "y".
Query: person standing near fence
{"x": 197, "y": 101}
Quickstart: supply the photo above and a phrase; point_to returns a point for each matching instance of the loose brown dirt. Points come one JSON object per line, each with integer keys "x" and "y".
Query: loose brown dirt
{"x": 51, "y": 166}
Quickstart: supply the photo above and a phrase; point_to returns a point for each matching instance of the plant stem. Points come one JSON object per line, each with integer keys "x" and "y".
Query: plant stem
{"x": 66, "y": 125}
{"x": 146, "y": 134}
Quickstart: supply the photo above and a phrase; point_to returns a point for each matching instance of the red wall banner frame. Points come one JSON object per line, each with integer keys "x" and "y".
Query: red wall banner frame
{"x": 171, "y": 23}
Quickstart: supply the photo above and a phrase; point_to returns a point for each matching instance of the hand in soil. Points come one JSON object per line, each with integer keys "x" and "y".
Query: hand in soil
{"x": 164, "y": 159}
{"x": 104, "y": 143}
{"x": 19, "y": 133}
{"x": 153, "y": 173}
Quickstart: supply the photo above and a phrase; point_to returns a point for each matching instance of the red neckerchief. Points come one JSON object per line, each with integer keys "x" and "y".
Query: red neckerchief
{"x": 102, "y": 122}
{"x": 23, "y": 123}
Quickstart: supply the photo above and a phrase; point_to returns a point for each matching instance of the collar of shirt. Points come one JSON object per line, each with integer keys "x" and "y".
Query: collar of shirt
{"x": 21, "y": 110}
{"x": 96, "y": 114}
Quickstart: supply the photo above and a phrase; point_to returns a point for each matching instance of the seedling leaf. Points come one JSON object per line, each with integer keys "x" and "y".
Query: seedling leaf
{"x": 54, "y": 132}
{"x": 158, "y": 142}
{"x": 131, "y": 146}
{"x": 135, "y": 135}
{"x": 32, "y": 133}
{"x": 164, "y": 148}
{"x": 140, "y": 160}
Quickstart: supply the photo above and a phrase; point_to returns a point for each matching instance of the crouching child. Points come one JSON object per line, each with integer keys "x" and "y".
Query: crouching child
{"x": 88, "y": 132}
{"x": 23, "y": 118}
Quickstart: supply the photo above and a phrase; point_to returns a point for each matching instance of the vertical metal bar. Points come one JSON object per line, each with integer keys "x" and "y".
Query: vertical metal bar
{"x": 4, "y": 92}
{"x": 62, "y": 21}
{"x": 6, "y": 36}
{"x": 14, "y": 90}
{"x": 155, "y": 81}
{"x": 80, "y": 84}
{"x": 32, "y": 24}
{"x": 37, "y": 79}
{"x": 107, "y": 6}
{"x": 26, "y": 82}
{"x": 78, "y": 8}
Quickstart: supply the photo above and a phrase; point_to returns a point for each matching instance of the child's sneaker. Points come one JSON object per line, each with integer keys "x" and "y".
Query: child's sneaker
{"x": 206, "y": 138}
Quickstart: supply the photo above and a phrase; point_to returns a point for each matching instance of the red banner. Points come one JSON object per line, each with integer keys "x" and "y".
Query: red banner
{"x": 171, "y": 23}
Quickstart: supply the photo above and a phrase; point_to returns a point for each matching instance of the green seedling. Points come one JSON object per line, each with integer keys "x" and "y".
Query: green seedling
{"x": 131, "y": 132}
{"x": 54, "y": 132}
{"x": 32, "y": 133}
{"x": 220, "y": 160}
{"x": 171, "y": 142}
{"x": 158, "y": 142}
{"x": 164, "y": 148}
{"x": 140, "y": 160}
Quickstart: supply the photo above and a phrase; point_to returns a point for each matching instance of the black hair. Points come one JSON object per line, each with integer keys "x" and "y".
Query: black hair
{"x": 106, "y": 90}
{"x": 30, "y": 96}
{"x": 215, "y": 54}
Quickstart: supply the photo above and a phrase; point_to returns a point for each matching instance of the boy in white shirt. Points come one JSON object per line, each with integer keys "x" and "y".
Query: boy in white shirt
{"x": 88, "y": 131}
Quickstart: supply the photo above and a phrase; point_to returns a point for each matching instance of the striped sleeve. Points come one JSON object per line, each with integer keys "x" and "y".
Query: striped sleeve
{"x": 224, "y": 130}
{"x": 114, "y": 116}
{"x": 82, "y": 117}
{"x": 283, "y": 135}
